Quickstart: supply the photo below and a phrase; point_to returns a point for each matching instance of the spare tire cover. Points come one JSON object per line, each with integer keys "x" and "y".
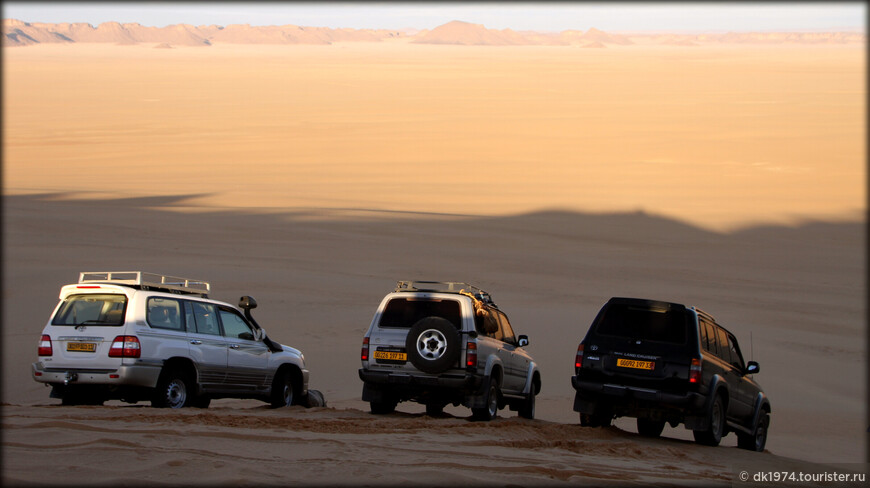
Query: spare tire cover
{"x": 433, "y": 345}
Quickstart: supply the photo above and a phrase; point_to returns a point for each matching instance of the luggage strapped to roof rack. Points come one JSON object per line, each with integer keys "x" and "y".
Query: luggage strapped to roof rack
{"x": 148, "y": 281}
{"x": 446, "y": 287}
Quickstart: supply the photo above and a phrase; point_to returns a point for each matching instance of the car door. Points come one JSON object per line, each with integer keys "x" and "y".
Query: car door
{"x": 247, "y": 359}
{"x": 745, "y": 389}
{"x": 208, "y": 348}
{"x": 515, "y": 361}
{"x": 737, "y": 405}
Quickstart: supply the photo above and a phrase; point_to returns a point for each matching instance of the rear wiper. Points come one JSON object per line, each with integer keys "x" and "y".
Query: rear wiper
{"x": 96, "y": 322}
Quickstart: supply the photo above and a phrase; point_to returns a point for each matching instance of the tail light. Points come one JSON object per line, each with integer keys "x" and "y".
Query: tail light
{"x": 578, "y": 363}
{"x": 471, "y": 354}
{"x": 45, "y": 345}
{"x": 364, "y": 353}
{"x": 125, "y": 347}
{"x": 695, "y": 371}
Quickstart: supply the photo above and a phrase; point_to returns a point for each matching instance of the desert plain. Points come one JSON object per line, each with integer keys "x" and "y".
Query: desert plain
{"x": 730, "y": 177}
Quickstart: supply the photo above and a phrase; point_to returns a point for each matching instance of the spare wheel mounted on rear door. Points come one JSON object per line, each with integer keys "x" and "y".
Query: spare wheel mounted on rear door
{"x": 433, "y": 345}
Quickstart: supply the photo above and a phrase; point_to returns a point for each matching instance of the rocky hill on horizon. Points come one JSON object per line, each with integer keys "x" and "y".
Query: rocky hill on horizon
{"x": 20, "y": 33}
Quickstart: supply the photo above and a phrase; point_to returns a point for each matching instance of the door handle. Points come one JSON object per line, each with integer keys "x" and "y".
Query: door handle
{"x": 196, "y": 342}
{"x": 234, "y": 346}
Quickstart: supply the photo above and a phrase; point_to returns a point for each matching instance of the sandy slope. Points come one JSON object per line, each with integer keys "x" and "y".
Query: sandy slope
{"x": 328, "y": 446}
{"x": 717, "y": 136}
{"x": 318, "y": 277}
{"x": 315, "y": 177}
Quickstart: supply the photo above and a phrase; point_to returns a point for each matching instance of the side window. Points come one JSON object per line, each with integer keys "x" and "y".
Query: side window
{"x": 506, "y": 330}
{"x": 724, "y": 352}
{"x": 702, "y": 335}
{"x": 235, "y": 326}
{"x": 490, "y": 325}
{"x": 736, "y": 357}
{"x": 164, "y": 313}
{"x": 712, "y": 342}
{"x": 205, "y": 318}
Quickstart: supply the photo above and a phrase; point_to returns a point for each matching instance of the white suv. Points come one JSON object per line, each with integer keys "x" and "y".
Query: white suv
{"x": 136, "y": 336}
{"x": 440, "y": 343}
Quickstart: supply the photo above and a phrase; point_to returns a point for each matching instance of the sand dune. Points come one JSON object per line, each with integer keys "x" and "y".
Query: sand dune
{"x": 319, "y": 274}
{"x": 726, "y": 176}
{"x": 457, "y": 32}
{"x": 257, "y": 446}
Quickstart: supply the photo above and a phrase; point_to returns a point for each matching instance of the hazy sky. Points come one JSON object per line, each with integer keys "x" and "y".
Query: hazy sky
{"x": 555, "y": 16}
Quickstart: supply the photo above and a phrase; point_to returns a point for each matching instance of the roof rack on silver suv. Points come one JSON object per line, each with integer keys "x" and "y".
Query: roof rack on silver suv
{"x": 446, "y": 287}
{"x": 148, "y": 281}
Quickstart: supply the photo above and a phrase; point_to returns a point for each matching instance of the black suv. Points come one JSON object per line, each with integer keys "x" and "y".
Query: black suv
{"x": 663, "y": 362}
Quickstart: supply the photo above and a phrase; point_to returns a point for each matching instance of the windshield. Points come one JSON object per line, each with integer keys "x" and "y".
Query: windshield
{"x": 91, "y": 309}
{"x": 644, "y": 324}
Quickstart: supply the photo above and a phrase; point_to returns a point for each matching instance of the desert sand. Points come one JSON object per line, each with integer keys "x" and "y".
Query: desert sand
{"x": 314, "y": 177}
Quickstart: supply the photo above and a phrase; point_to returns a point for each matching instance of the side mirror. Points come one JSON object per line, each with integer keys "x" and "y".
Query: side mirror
{"x": 247, "y": 303}
{"x": 752, "y": 368}
{"x": 523, "y": 340}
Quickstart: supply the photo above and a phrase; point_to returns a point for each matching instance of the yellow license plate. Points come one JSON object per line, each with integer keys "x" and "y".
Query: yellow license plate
{"x": 631, "y": 363}
{"x": 81, "y": 346}
{"x": 391, "y": 355}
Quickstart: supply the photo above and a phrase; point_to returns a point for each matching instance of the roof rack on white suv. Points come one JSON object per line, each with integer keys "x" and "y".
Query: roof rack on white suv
{"x": 446, "y": 287}
{"x": 148, "y": 281}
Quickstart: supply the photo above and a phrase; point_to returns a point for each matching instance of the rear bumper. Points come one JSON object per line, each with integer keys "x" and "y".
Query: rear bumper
{"x": 591, "y": 393}
{"x": 464, "y": 382}
{"x": 125, "y": 375}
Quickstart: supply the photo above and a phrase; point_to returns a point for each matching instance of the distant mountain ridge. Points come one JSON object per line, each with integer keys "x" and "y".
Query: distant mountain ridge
{"x": 19, "y": 33}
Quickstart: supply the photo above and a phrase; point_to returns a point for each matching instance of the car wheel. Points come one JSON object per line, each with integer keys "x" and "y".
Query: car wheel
{"x": 650, "y": 428}
{"x": 434, "y": 409}
{"x": 174, "y": 390}
{"x": 201, "y": 402}
{"x": 713, "y": 435}
{"x": 315, "y": 399}
{"x": 283, "y": 390}
{"x": 527, "y": 410}
{"x": 757, "y": 441}
{"x": 383, "y": 407}
{"x": 597, "y": 419}
{"x": 489, "y": 411}
{"x": 433, "y": 345}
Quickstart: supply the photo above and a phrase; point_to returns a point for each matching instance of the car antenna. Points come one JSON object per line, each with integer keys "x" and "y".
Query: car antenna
{"x": 751, "y": 353}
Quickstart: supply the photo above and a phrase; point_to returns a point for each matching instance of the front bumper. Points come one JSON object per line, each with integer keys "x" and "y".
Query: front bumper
{"x": 125, "y": 375}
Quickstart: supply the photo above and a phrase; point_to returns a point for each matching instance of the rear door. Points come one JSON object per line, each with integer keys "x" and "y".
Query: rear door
{"x": 208, "y": 348}
{"x": 247, "y": 359}
{"x": 643, "y": 344}
{"x": 83, "y": 328}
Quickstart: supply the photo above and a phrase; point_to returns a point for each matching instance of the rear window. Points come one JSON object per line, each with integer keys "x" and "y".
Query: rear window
{"x": 643, "y": 323}
{"x": 405, "y": 312}
{"x": 91, "y": 309}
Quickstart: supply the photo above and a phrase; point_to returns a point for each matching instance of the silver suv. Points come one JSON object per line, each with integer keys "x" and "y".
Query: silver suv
{"x": 136, "y": 336}
{"x": 441, "y": 343}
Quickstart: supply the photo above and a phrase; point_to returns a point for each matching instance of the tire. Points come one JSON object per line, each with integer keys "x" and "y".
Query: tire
{"x": 315, "y": 399}
{"x": 74, "y": 399}
{"x": 175, "y": 389}
{"x": 284, "y": 390}
{"x": 489, "y": 411}
{"x": 201, "y": 402}
{"x": 757, "y": 441}
{"x": 433, "y": 345}
{"x": 650, "y": 428}
{"x": 601, "y": 419}
{"x": 713, "y": 435}
{"x": 434, "y": 409}
{"x": 383, "y": 407}
{"x": 527, "y": 410}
